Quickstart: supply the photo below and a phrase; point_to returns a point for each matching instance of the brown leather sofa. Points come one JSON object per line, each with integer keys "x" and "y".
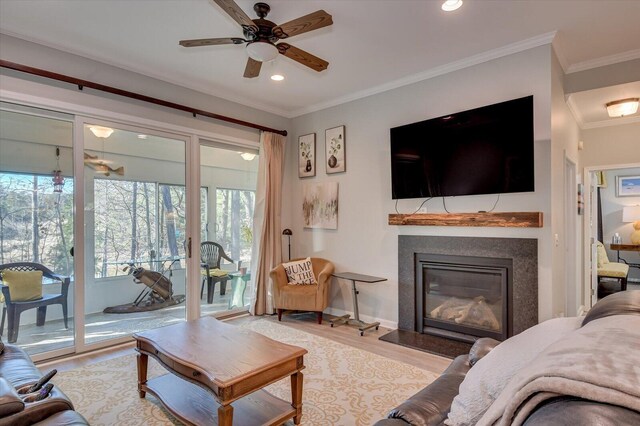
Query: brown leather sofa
{"x": 17, "y": 372}
{"x": 431, "y": 405}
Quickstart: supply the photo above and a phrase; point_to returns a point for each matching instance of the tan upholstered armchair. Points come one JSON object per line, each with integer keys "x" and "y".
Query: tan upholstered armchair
{"x": 309, "y": 297}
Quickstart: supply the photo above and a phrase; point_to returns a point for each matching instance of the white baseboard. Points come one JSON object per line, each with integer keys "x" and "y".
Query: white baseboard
{"x": 366, "y": 318}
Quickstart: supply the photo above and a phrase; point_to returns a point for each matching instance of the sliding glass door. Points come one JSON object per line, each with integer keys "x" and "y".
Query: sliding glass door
{"x": 37, "y": 228}
{"x": 114, "y": 216}
{"x": 135, "y": 245}
{"x": 228, "y": 176}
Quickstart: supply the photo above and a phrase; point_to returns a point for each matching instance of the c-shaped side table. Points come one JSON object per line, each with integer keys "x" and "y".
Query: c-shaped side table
{"x": 346, "y": 319}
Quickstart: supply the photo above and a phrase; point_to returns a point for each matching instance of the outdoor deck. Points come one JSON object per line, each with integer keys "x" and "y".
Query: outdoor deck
{"x": 100, "y": 326}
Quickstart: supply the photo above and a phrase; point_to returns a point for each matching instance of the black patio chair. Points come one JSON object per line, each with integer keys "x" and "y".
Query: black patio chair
{"x": 14, "y": 308}
{"x": 211, "y": 255}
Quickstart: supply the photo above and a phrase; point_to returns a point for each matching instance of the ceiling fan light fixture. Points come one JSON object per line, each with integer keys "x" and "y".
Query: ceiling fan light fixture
{"x": 101, "y": 132}
{"x": 262, "y": 51}
{"x": 622, "y": 107}
{"x": 451, "y": 5}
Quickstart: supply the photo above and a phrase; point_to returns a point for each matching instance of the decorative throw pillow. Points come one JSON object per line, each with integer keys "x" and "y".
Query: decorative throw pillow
{"x": 488, "y": 377}
{"x": 23, "y": 285}
{"x": 300, "y": 272}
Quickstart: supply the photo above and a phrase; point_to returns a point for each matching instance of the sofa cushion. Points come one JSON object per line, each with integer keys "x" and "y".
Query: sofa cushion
{"x": 486, "y": 380}
{"x": 23, "y": 285}
{"x": 431, "y": 405}
{"x": 10, "y": 402}
{"x": 64, "y": 418}
{"x": 300, "y": 272}
{"x": 621, "y": 303}
{"x": 571, "y": 411}
{"x": 16, "y": 367}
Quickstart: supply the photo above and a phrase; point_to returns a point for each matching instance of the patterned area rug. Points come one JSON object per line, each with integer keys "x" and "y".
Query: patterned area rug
{"x": 342, "y": 385}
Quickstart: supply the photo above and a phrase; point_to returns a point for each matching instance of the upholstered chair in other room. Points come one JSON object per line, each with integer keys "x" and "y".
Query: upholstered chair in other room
{"x": 303, "y": 297}
{"x": 614, "y": 270}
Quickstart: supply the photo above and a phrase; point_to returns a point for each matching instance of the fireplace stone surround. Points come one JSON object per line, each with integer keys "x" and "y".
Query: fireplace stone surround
{"x": 522, "y": 251}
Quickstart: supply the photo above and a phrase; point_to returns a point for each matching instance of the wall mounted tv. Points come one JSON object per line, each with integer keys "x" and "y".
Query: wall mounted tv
{"x": 487, "y": 150}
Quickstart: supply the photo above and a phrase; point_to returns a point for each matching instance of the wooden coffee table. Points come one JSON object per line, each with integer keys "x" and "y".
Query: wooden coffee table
{"x": 212, "y": 365}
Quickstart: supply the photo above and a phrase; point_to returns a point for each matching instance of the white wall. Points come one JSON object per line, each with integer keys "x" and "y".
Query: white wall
{"x": 611, "y": 146}
{"x": 612, "y": 217}
{"x": 364, "y": 242}
{"x": 565, "y": 135}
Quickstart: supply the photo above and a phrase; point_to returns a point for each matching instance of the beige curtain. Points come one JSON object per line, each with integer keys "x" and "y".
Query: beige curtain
{"x": 267, "y": 249}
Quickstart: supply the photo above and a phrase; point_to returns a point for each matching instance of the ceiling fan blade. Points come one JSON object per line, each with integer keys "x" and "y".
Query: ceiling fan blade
{"x": 310, "y": 22}
{"x": 237, "y": 14}
{"x": 211, "y": 41}
{"x": 252, "y": 69}
{"x": 305, "y": 58}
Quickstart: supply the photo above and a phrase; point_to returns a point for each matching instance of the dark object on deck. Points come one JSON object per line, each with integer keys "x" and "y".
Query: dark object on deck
{"x": 159, "y": 294}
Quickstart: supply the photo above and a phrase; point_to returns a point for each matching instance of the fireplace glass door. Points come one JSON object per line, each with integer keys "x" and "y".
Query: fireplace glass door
{"x": 464, "y": 295}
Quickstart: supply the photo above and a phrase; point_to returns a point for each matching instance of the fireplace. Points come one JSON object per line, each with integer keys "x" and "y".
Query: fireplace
{"x": 498, "y": 274}
{"x": 463, "y": 297}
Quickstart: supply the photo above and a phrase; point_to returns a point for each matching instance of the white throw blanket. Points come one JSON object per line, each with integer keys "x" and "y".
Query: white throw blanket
{"x": 598, "y": 362}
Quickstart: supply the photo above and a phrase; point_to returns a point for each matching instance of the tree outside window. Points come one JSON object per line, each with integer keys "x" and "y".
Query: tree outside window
{"x": 234, "y": 222}
{"x": 36, "y": 223}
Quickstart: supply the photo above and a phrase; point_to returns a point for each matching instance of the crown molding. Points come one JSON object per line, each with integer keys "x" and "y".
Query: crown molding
{"x": 218, "y": 93}
{"x": 604, "y": 61}
{"x": 597, "y": 124}
{"x": 487, "y": 56}
{"x": 612, "y": 122}
{"x": 575, "y": 111}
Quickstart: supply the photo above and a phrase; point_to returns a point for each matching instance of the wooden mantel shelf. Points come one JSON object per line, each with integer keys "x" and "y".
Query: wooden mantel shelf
{"x": 497, "y": 219}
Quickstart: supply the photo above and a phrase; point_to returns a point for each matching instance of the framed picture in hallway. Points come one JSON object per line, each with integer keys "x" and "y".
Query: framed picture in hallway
{"x": 334, "y": 142}
{"x": 307, "y": 155}
{"x": 627, "y": 186}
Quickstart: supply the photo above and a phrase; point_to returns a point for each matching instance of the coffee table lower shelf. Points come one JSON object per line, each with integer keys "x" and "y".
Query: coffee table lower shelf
{"x": 193, "y": 405}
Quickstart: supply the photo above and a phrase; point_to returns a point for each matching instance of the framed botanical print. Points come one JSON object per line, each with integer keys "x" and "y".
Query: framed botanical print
{"x": 307, "y": 155}
{"x": 334, "y": 141}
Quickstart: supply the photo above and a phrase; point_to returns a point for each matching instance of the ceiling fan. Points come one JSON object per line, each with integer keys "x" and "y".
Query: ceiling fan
{"x": 261, "y": 36}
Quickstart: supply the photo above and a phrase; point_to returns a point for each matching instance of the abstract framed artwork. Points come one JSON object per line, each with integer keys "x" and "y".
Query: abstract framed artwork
{"x": 320, "y": 205}
{"x": 335, "y": 147}
{"x": 627, "y": 186}
{"x": 307, "y": 155}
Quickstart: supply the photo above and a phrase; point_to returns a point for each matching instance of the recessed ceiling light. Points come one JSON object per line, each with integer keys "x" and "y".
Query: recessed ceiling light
{"x": 143, "y": 136}
{"x": 277, "y": 77}
{"x": 451, "y": 5}
{"x": 622, "y": 107}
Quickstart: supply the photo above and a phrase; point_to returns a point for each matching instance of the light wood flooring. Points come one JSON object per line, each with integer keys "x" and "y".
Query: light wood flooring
{"x": 302, "y": 321}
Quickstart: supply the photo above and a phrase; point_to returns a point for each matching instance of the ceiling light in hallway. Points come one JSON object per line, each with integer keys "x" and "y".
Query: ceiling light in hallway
{"x": 622, "y": 107}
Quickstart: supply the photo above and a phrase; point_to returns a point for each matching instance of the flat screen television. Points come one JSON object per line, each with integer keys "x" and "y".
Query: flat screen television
{"x": 487, "y": 150}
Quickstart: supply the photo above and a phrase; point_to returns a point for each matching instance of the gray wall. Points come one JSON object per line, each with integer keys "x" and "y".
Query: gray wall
{"x": 364, "y": 242}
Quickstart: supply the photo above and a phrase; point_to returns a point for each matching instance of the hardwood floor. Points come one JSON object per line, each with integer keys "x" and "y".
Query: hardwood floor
{"x": 302, "y": 321}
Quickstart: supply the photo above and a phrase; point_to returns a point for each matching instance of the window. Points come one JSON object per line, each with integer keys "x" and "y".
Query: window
{"x": 36, "y": 224}
{"x": 234, "y": 222}
{"x": 138, "y": 222}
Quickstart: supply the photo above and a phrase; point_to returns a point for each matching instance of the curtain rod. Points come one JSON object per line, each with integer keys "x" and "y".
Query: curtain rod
{"x": 85, "y": 83}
